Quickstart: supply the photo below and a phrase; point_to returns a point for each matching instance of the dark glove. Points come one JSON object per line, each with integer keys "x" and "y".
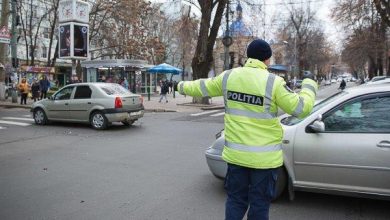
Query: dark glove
{"x": 308, "y": 74}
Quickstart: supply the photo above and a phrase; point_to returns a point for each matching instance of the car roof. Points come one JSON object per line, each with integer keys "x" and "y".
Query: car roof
{"x": 369, "y": 88}
{"x": 92, "y": 83}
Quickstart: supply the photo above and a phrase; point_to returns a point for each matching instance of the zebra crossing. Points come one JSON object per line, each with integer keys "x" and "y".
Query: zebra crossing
{"x": 209, "y": 113}
{"x": 24, "y": 120}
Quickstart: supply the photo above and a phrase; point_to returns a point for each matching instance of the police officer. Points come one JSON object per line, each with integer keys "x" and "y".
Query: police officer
{"x": 253, "y": 133}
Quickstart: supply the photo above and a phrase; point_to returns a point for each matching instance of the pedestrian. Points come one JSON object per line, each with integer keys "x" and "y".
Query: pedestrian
{"x": 35, "y": 88}
{"x": 125, "y": 83}
{"x": 343, "y": 84}
{"x": 253, "y": 134}
{"x": 24, "y": 88}
{"x": 170, "y": 85}
{"x": 164, "y": 91}
{"x": 44, "y": 85}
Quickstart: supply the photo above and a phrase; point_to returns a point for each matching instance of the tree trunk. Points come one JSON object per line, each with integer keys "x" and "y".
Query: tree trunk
{"x": 203, "y": 58}
{"x": 53, "y": 62}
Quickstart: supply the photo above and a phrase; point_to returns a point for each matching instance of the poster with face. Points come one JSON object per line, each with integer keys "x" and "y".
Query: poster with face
{"x": 80, "y": 41}
{"x": 65, "y": 40}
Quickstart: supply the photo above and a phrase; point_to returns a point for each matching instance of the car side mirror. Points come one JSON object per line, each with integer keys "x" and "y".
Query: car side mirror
{"x": 317, "y": 126}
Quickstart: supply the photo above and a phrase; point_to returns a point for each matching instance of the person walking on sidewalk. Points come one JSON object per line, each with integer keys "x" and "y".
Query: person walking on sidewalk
{"x": 253, "y": 134}
{"x": 24, "y": 88}
{"x": 44, "y": 86}
{"x": 164, "y": 91}
{"x": 35, "y": 87}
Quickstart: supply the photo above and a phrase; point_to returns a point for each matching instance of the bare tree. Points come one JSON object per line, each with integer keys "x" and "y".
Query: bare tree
{"x": 203, "y": 58}
{"x": 368, "y": 32}
{"x": 52, "y": 16}
{"x": 31, "y": 23}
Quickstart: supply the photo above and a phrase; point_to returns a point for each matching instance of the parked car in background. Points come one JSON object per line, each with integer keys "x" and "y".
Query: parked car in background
{"x": 96, "y": 103}
{"x": 342, "y": 147}
{"x": 379, "y": 80}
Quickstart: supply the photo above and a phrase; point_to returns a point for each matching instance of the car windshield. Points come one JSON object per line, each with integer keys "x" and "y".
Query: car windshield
{"x": 113, "y": 89}
{"x": 292, "y": 120}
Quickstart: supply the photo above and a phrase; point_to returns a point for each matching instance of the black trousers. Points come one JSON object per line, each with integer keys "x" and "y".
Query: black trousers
{"x": 23, "y": 98}
{"x": 43, "y": 94}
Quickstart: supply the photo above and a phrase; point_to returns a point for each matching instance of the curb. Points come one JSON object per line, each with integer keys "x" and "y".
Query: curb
{"x": 213, "y": 107}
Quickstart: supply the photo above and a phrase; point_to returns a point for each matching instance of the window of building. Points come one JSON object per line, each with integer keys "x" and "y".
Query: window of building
{"x": 46, "y": 33}
{"x": 44, "y": 52}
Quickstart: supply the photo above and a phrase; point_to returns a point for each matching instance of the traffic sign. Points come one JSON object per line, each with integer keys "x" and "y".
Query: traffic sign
{"x": 5, "y": 35}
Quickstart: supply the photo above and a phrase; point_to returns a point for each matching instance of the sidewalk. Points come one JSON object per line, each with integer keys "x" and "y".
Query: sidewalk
{"x": 180, "y": 103}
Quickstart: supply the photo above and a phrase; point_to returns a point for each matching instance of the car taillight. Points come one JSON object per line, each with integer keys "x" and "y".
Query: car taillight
{"x": 141, "y": 100}
{"x": 118, "y": 102}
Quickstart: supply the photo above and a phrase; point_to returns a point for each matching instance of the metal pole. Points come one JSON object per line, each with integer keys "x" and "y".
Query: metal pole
{"x": 14, "y": 48}
{"x": 226, "y": 58}
{"x": 3, "y": 47}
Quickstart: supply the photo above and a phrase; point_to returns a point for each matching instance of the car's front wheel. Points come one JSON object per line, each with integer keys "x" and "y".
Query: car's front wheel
{"x": 281, "y": 182}
{"x": 98, "y": 121}
{"x": 40, "y": 117}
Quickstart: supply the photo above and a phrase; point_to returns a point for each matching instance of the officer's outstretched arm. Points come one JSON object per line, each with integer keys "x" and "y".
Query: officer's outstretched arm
{"x": 202, "y": 87}
{"x": 296, "y": 104}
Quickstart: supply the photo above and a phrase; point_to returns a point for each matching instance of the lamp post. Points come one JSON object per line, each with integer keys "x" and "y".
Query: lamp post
{"x": 227, "y": 40}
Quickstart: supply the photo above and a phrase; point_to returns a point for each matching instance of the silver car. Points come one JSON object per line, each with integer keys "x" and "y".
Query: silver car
{"x": 96, "y": 103}
{"x": 342, "y": 147}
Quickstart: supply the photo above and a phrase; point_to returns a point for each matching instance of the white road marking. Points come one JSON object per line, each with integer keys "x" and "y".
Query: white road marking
{"x": 205, "y": 113}
{"x": 15, "y": 118}
{"x": 14, "y": 123}
{"x": 218, "y": 114}
{"x": 2, "y": 127}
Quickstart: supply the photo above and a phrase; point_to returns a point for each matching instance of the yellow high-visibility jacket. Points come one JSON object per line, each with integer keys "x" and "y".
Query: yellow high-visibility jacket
{"x": 252, "y": 95}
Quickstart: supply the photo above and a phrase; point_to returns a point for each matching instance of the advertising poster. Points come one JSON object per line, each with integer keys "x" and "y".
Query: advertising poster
{"x": 80, "y": 41}
{"x": 65, "y": 40}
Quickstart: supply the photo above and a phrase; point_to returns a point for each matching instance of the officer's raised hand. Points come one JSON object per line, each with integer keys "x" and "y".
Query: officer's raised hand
{"x": 308, "y": 75}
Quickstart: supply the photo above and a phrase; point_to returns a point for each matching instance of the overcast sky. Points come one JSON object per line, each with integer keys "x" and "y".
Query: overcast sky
{"x": 276, "y": 7}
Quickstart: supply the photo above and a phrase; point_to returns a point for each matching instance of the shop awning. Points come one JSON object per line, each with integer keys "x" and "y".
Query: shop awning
{"x": 37, "y": 69}
{"x": 120, "y": 63}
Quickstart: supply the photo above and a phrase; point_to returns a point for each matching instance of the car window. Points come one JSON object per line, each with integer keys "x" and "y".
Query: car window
{"x": 83, "y": 92}
{"x": 114, "y": 89}
{"x": 64, "y": 94}
{"x": 367, "y": 115}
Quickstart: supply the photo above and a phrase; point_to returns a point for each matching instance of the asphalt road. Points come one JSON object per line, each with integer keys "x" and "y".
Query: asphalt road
{"x": 153, "y": 170}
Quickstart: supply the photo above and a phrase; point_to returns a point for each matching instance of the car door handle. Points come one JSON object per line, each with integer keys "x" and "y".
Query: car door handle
{"x": 384, "y": 144}
{"x": 89, "y": 102}
{"x": 66, "y": 103}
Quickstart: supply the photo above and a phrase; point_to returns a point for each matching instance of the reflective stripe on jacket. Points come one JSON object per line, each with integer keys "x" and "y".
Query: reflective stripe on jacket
{"x": 252, "y": 95}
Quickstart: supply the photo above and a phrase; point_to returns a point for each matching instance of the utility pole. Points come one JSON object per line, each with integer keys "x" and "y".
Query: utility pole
{"x": 3, "y": 47}
{"x": 227, "y": 40}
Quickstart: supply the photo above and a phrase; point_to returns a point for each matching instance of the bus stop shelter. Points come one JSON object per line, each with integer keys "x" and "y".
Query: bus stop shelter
{"x": 115, "y": 70}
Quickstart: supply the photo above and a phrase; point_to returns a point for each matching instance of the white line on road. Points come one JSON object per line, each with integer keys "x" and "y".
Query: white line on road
{"x": 204, "y": 113}
{"x": 15, "y": 118}
{"x": 14, "y": 123}
{"x": 218, "y": 114}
